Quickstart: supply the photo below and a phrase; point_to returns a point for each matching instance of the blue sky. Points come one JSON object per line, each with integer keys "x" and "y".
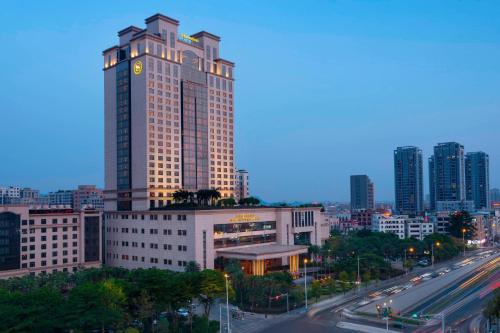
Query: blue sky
{"x": 324, "y": 89}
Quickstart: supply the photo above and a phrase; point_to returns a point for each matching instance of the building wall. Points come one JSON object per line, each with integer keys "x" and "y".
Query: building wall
{"x": 447, "y": 173}
{"x": 477, "y": 179}
{"x": 362, "y": 192}
{"x": 408, "y": 180}
{"x": 51, "y": 240}
{"x": 166, "y": 152}
{"x": 143, "y": 239}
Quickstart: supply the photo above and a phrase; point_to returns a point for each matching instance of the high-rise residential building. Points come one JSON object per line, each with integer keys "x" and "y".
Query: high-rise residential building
{"x": 408, "y": 180}
{"x": 242, "y": 185}
{"x": 362, "y": 192}
{"x": 88, "y": 196}
{"x": 477, "y": 179}
{"x": 495, "y": 197}
{"x": 447, "y": 173}
{"x": 61, "y": 197}
{"x": 168, "y": 100}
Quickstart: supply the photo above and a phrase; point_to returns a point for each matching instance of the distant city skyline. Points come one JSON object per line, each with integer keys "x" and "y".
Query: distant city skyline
{"x": 370, "y": 76}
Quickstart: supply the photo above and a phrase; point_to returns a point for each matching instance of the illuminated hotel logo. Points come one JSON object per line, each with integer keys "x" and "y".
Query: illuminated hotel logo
{"x": 189, "y": 38}
{"x": 137, "y": 67}
{"x": 244, "y": 218}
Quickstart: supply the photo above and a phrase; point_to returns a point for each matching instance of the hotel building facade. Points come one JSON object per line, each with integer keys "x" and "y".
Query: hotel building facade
{"x": 169, "y": 116}
{"x": 169, "y": 125}
{"x": 262, "y": 238}
{"x": 36, "y": 240}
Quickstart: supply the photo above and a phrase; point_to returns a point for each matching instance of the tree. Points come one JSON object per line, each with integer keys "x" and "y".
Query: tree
{"x": 492, "y": 310}
{"x": 39, "y": 310}
{"x": 366, "y": 277}
{"x": 460, "y": 221}
{"x": 202, "y": 196}
{"x": 144, "y": 308}
{"x": 344, "y": 278}
{"x": 96, "y": 306}
{"x": 316, "y": 290}
{"x": 250, "y": 201}
{"x": 212, "y": 286}
{"x": 214, "y": 195}
{"x": 181, "y": 196}
{"x": 227, "y": 202}
{"x": 192, "y": 267}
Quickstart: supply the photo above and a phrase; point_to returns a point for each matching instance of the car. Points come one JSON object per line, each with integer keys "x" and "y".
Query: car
{"x": 183, "y": 312}
{"x": 423, "y": 263}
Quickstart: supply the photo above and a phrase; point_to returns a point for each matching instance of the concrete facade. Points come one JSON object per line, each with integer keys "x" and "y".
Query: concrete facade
{"x": 477, "y": 179}
{"x": 362, "y": 193}
{"x": 242, "y": 185}
{"x": 169, "y": 125}
{"x": 402, "y": 225}
{"x": 169, "y": 239}
{"x": 44, "y": 240}
{"x": 408, "y": 180}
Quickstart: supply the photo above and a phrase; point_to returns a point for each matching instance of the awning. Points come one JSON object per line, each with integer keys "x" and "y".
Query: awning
{"x": 268, "y": 251}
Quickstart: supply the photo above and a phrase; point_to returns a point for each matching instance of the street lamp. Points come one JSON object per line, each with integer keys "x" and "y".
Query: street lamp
{"x": 227, "y": 302}
{"x": 305, "y": 280}
{"x": 432, "y": 250}
{"x": 411, "y": 251}
{"x": 463, "y": 238}
{"x": 386, "y": 312}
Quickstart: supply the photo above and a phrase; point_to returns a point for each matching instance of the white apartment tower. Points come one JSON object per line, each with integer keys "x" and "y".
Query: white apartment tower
{"x": 169, "y": 116}
{"x": 242, "y": 185}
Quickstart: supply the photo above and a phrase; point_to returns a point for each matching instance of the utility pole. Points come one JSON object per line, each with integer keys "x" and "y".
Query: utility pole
{"x": 305, "y": 280}
{"x": 227, "y": 303}
{"x": 463, "y": 238}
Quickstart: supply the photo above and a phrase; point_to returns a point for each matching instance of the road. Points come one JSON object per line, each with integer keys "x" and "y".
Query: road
{"x": 462, "y": 310}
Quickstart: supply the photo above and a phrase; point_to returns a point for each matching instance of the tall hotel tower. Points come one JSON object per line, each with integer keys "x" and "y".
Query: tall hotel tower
{"x": 408, "y": 180}
{"x": 168, "y": 100}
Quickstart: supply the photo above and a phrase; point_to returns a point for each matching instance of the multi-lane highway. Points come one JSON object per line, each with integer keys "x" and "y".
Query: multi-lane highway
{"x": 459, "y": 290}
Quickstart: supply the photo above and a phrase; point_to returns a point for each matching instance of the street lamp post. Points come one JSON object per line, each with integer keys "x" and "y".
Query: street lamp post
{"x": 227, "y": 303}
{"x": 386, "y": 310}
{"x": 404, "y": 263}
{"x": 463, "y": 238}
{"x": 305, "y": 280}
{"x": 432, "y": 250}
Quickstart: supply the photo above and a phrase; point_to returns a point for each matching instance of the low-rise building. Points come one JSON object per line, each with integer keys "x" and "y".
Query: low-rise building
{"x": 262, "y": 238}
{"x": 402, "y": 225}
{"x": 418, "y": 228}
{"x": 43, "y": 240}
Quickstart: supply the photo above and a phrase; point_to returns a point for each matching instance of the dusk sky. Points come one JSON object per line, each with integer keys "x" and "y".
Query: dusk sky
{"x": 324, "y": 89}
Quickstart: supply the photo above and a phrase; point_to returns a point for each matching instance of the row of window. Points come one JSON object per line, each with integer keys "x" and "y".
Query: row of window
{"x": 153, "y": 246}
{"x": 43, "y": 263}
{"x": 44, "y": 254}
{"x": 152, "y": 260}
{"x": 53, "y": 221}
{"x": 153, "y": 217}
{"x": 44, "y": 230}
{"x": 44, "y": 238}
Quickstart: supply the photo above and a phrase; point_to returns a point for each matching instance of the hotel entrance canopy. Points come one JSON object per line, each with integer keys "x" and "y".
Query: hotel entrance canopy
{"x": 261, "y": 255}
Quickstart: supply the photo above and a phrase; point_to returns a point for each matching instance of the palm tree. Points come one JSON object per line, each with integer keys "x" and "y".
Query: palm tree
{"x": 202, "y": 196}
{"x": 214, "y": 196}
{"x": 183, "y": 196}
